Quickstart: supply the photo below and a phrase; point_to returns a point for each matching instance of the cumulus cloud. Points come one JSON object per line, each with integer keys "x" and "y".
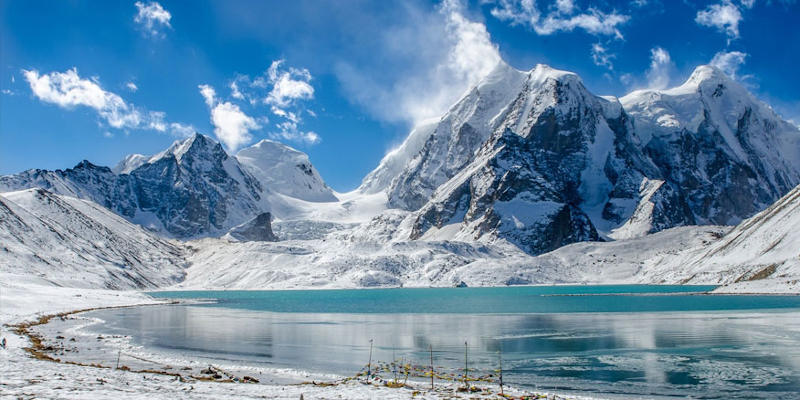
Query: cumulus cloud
{"x": 729, "y": 62}
{"x": 725, "y": 17}
{"x": 68, "y": 90}
{"x": 131, "y": 86}
{"x": 284, "y": 89}
{"x": 288, "y": 85}
{"x": 564, "y": 17}
{"x": 152, "y": 18}
{"x": 442, "y": 54}
{"x": 661, "y": 65}
{"x": 231, "y": 125}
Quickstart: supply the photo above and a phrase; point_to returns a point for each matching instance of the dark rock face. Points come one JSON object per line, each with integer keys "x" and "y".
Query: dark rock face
{"x": 530, "y": 187}
{"x": 258, "y": 229}
{"x": 562, "y": 165}
{"x": 442, "y": 155}
{"x": 192, "y": 189}
{"x": 717, "y": 187}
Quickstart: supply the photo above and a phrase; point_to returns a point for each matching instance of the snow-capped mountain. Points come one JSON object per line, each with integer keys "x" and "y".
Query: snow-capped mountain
{"x": 285, "y": 170}
{"x": 760, "y": 252}
{"x": 64, "y": 241}
{"x": 191, "y": 189}
{"x": 497, "y": 191}
{"x": 436, "y": 151}
{"x": 535, "y": 158}
{"x": 728, "y": 152}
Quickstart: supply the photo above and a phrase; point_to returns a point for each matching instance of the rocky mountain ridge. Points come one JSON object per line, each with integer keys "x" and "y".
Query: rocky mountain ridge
{"x": 532, "y": 158}
{"x": 191, "y": 189}
{"x": 549, "y": 163}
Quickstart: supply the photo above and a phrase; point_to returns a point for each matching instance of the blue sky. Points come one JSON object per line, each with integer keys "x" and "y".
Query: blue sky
{"x": 341, "y": 80}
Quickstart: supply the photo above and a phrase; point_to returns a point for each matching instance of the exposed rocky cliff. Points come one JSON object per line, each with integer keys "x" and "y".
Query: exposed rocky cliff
{"x": 535, "y": 158}
{"x": 191, "y": 189}
{"x": 258, "y": 229}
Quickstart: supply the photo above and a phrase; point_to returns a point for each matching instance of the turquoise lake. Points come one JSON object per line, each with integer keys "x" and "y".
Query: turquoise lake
{"x": 624, "y": 341}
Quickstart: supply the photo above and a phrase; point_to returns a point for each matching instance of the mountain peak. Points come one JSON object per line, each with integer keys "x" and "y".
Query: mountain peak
{"x": 266, "y": 144}
{"x": 707, "y": 78}
{"x": 129, "y": 163}
{"x": 707, "y": 72}
{"x": 285, "y": 170}
{"x": 545, "y": 71}
{"x": 194, "y": 144}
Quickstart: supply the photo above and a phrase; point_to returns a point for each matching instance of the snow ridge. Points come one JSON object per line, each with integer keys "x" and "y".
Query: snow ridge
{"x": 63, "y": 241}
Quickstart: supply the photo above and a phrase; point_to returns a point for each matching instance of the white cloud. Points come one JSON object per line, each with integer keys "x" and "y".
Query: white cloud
{"x": 441, "y": 54}
{"x": 565, "y": 6}
{"x": 152, "y": 18}
{"x": 748, "y": 3}
{"x": 231, "y": 125}
{"x": 288, "y": 130}
{"x": 724, "y": 16}
{"x": 235, "y": 93}
{"x": 209, "y": 94}
{"x": 729, "y": 62}
{"x": 473, "y": 54}
{"x": 131, "y": 86}
{"x": 68, "y": 90}
{"x": 565, "y": 17}
{"x": 627, "y": 79}
{"x": 287, "y": 85}
{"x": 658, "y": 75}
{"x": 182, "y": 130}
{"x": 602, "y": 57}
{"x": 284, "y": 89}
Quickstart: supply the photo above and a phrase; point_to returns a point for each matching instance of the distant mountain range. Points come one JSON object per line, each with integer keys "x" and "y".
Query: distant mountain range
{"x": 526, "y": 162}
{"x": 192, "y": 189}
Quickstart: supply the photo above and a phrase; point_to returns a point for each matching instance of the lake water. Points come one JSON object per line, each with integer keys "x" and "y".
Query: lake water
{"x": 618, "y": 341}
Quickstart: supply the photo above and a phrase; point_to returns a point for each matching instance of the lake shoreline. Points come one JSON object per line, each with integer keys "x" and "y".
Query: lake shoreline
{"x": 30, "y": 351}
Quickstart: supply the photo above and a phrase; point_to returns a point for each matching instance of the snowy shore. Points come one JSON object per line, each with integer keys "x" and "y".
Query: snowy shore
{"x": 24, "y": 376}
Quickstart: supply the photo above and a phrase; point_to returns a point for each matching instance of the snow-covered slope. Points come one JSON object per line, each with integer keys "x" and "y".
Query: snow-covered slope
{"x": 346, "y": 257}
{"x": 191, "y": 189}
{"x": 535, "y": 158}
{"x": 560, "y": 166}
{"x": 64, "y": 241}
{"x": 284, "y": 170}
{"x": 729, "y": 153}
{"x": 194, "y": 188}
{"x": 761, "y": 254}
{"x": 434, "y": 152}
{"x": 130, "y": 163}
{"x": 496, "y": 191}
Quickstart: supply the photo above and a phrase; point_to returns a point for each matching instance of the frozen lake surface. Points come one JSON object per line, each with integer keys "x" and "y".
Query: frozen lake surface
{"x": 618, "y": 341}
